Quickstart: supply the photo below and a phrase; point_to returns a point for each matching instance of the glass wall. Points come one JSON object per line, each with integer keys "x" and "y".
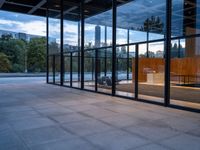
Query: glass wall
{"x": 141, "y": 22}
{"x": 97, "y": 51}
{"x": 71, "y": 45}
{"x": 54, "y": 42}
{"x": 140, "y": 49}
{"x": 185, "y": 53}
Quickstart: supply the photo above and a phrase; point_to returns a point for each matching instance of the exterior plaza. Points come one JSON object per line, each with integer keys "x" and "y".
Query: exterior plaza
{"x": 120, "y": 75}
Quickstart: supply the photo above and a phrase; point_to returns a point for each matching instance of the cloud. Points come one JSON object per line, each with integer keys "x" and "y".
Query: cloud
{"x": 30, "y": 27}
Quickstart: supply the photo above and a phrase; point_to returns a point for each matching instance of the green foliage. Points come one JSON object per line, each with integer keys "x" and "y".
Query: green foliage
{"x": 15, "y": 49}
{"x": 36, "y": 55}
{"x": 5, "y": 65}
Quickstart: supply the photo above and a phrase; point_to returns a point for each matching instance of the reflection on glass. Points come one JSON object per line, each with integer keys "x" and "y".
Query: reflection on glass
{"x": 104, "y": 70}
{"x": 151, "y": 72}
{"x": 185, "y": 72}
{"x": 54, "y": 45}
{"x": 124, "y": 67}
{"x": 185, "y": 17}
{"x": 89, "y": 70}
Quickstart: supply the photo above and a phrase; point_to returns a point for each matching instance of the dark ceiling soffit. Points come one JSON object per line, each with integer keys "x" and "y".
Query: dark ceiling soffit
{"x": 1, "y": 3}
{"x": 39, "y": 5}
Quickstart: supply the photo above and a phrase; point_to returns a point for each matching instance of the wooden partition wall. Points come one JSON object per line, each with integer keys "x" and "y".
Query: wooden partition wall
{"x": 189, "y": 67}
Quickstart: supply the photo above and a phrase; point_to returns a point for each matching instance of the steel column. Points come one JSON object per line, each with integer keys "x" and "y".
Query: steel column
{"x": 167, "y": 52}
{"x": 128, "y": 38}
{"x": 96, "y": 68}
{"x": 71, "y": 75}
{"x": 61, "y": 44}
{"x": 114, "y": 21}
{"x": 136, "y": 70}
{"x": 105, "y": 59}
{"x": 82, "y": 43}
{"x": 47, "y": 43}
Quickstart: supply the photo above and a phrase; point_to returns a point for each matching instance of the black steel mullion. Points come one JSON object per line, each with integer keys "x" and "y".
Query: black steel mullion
{"x": 136, "y": 70}
{"x": 54, "y": 69}
{"x": 61, "y": 43}
{"x": 71, "y": 75}
{"x": 148, "y": 43}
{"x": 79, "y": 57}
{"x": 96, "y": 68}
{"x": 114, "y": 21}
{"x": 179, "y": 48}
{"x": 82, "y": 43}
{"x": 47, "y": 44}
{"x": 128, "y": 38}
{"x": 105, "y": 59}
{"x": 167, "y": 52}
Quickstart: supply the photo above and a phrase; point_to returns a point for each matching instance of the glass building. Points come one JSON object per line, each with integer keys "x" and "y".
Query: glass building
{"x": 145, "y": 50}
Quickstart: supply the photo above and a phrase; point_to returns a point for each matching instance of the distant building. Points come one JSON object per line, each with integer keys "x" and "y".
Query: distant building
{"x": 22, "y": 36}
{"x": 97, "y": 36}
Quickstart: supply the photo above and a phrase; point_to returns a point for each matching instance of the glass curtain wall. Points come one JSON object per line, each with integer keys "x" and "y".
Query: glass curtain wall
{"x": 71, "y": 46}
{"x": 54, "y": 42}
{"x": 140, "y": 49}
{"x": 141, "y": 22}
{"x": 185, "y": 53}
{"x": 97, "y": 48}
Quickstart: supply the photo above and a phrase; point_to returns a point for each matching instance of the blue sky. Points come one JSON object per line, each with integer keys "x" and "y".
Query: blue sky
{"x": 22, "y": 23}
{"x": 37, "y": 26}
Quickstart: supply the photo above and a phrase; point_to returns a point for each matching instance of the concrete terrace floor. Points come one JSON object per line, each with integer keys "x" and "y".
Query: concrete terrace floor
{"x": 37, "y": 116}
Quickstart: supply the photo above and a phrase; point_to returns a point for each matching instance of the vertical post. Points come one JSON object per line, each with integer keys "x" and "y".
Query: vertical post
{"x": 167, "y": 51}
{"x": 47, "y": 43}
{"x": 136, "y": 70}
{"x": 147, "y": 44}
{"x": 147, "y": 38}
{"x": 79, "y": 57}
{"x": 114, "y": 21}
{"x": 92, "y": 68}
{"x": 54, "y": 69}
{"x": 61, "y": 44}
{"x": 82, "y": 43}
{"x": 71, "y": 69}
{"x": 179, "y": 48}
{"x": 128, "y": 37}
{"x": 96, "y": 68}
{"x": 105, "y": 59}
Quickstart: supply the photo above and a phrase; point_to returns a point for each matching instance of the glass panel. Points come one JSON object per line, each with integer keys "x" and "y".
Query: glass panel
{"x": 145, "y": 20}
{"x": 54, "y": 38}
{"x": 72, "y": 44}
{"x": 185, "y": 73}
{"x": 89, "y": 70}
{"x": 104, "y": 70}
{"x": 57, "y": 69}
{"x": 76, "y": 72}
{"x": 185, "y": 17}
{"x": 67, "y": 64}
{"x": 98, "y": 28}
{"x": 50, "y": 65}
{"x": 151, "y": 72}
{"x": 124, "y": 67}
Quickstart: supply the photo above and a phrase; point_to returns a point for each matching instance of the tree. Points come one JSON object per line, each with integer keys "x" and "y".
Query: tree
{"x": 153, "y": 24}
{"x": 6, "y": 37}
{"x": 5, "y": 65}
{"x": 15, "y": 50}
{"x": 36, "y": 55}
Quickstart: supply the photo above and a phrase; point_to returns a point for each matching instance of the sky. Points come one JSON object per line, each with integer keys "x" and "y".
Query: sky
{"x": 22, "y": 23}
{"x": 35, "y": 25}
